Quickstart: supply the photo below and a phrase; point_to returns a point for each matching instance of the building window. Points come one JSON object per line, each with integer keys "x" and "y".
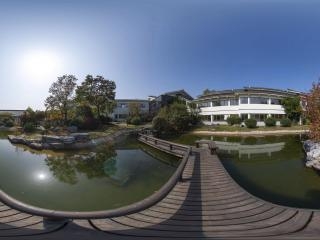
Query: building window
{"x": 204, "y": 104}
{"x": 234, "y": 102}
{"x": 218, "y": 117}
{"x": 122, "y": 116}
{"x": 222, "y": 102}
{"x": 278, "y": 116}
{"x": 216, "y": 103}
{"x": 206, "y": 118}
{"x": 258, "y": 100}
{"x": 244, "y": 117}
{"x": 244, "y": 100}
{"x": 275, "y": 101}
{"x": 122, "y": 105}
{"x": 259, "y": 117}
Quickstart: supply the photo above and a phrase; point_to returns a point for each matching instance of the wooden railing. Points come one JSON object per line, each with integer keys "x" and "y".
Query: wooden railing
{"x": 163, "y": 145}
{"x": 132, "y": 208}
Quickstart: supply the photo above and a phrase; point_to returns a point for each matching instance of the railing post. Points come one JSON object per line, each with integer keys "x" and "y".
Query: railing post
{"x": 170, "y": 146}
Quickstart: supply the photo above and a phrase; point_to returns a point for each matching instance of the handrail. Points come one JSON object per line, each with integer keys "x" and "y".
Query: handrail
{"x": 132, "y": 208}
{"x": 171, "y": 145}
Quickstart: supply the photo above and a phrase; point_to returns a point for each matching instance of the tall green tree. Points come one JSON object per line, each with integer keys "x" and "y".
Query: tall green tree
{"x": 61, "y": 95}
{"x": 97, "y": 92}
{"x": 172, "y": 119}
{"x": 292, "y": 108}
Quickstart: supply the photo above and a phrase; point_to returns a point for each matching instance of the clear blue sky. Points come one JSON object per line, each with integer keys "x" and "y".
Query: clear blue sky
{"x": 152, "y": 46}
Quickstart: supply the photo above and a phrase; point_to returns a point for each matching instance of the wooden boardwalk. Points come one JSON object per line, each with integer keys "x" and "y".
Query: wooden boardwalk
{"x": 206, "y": 204}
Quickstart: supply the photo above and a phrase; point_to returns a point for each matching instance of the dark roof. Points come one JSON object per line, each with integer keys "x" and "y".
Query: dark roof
{"x": 131, "y": 100}
{"x": 250, "y": 89}
{"x": 181, "y": 93}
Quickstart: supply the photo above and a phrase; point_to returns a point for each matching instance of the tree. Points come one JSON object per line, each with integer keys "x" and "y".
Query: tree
{"x": 172, "y": 119}
{"x": 97, "y": 92}
{"x": 292, "y": 108}
{"x": 134, "y": 109}
{"x": 62, "y": 95}
{"x": 313, "y": 111}
{"x": 206, "y": 91}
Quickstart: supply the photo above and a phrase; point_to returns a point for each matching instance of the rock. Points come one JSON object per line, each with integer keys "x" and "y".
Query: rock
{"x": 81, "y": 137}
{"x": 72, "y": 129}
{"x": 41, "y": 128}
{"x": 37, "y": 146}
{"x": 17, "y": 139}
{"x": 312, "y": 150}
{"x": 68, "y": 140}
{"x": 50, "y": 139}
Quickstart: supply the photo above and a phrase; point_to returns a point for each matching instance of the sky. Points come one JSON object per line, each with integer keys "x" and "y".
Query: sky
{"x": 149, "y": 47}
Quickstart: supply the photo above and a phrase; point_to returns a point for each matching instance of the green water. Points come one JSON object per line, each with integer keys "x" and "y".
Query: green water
{"x": 105, "y": 178}
{"x": 270, "y": 167}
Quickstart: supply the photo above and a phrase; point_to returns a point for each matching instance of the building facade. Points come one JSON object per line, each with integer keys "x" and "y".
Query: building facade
{"x": 122, "y": 109}
{"x": 167, "y": 98}
{"x": 258, "y": 103}
{"x": 15, "y": 114}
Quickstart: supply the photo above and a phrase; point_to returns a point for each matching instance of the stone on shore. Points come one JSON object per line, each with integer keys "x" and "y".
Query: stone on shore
{"x": 312, "y": 150}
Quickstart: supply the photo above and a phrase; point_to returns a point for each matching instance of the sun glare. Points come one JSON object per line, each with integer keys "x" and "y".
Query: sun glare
{"x": 37, "y": 65}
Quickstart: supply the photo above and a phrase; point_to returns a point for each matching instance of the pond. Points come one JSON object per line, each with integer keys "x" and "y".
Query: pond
{"x": 107, "y": 177}
{"x": 269, "y": 167}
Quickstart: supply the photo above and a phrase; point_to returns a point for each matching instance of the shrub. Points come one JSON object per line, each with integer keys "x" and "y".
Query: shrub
{"x": 89, "y": 123}
{"x": 285, "y": 122}
{"x": 29, "y": 127}
{"x": 270, "y": 122}
{"x": 135, "y": 120}
{"x": 160, "y": 124}
{"x": 8, "y": 122}
{"x": 233, "y": 120}
{"x": 251, "y": 123}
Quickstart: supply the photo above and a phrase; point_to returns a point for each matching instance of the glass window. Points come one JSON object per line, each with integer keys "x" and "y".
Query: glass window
{"x": 278, "y": 116}
{"x": 244, "y": 117}
{"x": 234, "y": 102}
{"x": 223, "y": 102}
{"x": 216, "y": 103}
{"x": 204, "y": 104}
{"x": 258, "y": 100}
{"x": 218, "y": 117}
{"x": 205, "y": 117}
{"x": 244, "y": 100}
{"x": 122, "y": 105}
{"x": 259, "y": 117}
{"x": 275, "y": 101}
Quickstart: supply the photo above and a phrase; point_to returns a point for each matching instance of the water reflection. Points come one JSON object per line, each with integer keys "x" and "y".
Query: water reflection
{"x": 248, "y": 150}
{"x": 93, "y": 165}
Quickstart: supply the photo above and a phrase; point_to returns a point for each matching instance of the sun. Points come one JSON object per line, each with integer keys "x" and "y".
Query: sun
{"x": 40, "y": 64}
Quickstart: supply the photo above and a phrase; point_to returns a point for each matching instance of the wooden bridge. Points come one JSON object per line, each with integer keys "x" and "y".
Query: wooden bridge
{"x": 206, "y": 203}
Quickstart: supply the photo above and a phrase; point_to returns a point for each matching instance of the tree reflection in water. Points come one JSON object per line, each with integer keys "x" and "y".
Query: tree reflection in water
{"x": 97, "y": 164}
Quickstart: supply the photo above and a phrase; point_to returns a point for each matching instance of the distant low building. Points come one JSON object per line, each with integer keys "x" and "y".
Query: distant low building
{"x": 122, "y": 109}
{"x": 166, "y": 98}
{"x": 15, "y": 114}
{"x": 249, "y": 102}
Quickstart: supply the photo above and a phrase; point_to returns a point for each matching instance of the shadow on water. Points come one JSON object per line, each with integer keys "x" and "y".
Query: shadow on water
{"x": 270, "y": 167}
{"x": 98, "y": 164}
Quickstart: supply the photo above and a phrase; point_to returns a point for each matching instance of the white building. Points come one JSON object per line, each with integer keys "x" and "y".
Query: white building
{"x": 15, "y": 114}
{"x": 122, "y": 109}
{"x": 258, "y": 103}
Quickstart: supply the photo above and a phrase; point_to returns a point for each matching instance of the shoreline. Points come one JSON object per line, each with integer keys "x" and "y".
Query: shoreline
{"x": 248, "y": 133}
{"x": 60, "y": 145}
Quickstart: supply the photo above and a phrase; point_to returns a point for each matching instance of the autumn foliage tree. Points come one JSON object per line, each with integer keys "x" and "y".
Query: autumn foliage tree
{"x": 61, "y": 95}
{"x": 313, "y": 111}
